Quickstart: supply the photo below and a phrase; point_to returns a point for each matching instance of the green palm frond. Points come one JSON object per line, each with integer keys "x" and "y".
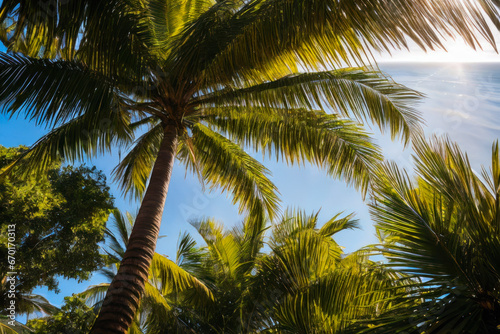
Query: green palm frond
{"x": 351, "y": 92}
{"x": 53, "y": 92}
{"x": 224, "y": 248}
{"x": 170, "y": 278}
{"x": 75, "y": 31}
{"x": 292, "y": 223}
{"x": 296, "y": 221}
{"x": 298, "y": 135}
{"x": 336, "y": 224}
{"x": 192, "y": 258}
{"x": 118, "y": 233}
{"x": 19, "y": 328}
{"x": 225, "y": 164}
{"x": 443, "y": 229}
{"x": 205, "y": 33}
{"x": 94, "y": 294}
{"x": 156, "y": 311}
{"x": 75, "y": 140}
{"x": 133, "y": 171}
{"x": 307, "y": 256}
{"x": 169, "y": 18}
{"x": 332, "y": 33}
{"x": 34, "y": 304}
{"x": 337, "y": 302}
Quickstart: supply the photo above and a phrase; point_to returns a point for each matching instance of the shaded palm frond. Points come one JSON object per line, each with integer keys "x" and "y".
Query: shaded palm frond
{"x": 169, "y": 278}
{"x": 441, "y": 228}
{"x": 74, "y": 30}
{"x": 225, "y": 164}
{"x": 85, "y": 136}
{"x": 324, "y": 33}
{"x": 54, "y": 92}
{"x": 134, "y": 170}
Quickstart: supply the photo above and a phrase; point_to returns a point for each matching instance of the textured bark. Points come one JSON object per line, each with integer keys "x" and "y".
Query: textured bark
{"x": 124, "y": 293}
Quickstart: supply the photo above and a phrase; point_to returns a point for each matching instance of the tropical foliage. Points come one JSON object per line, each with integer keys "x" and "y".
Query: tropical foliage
{"x": 444, "y": 230}
{"x": 200, "y": 79}
{"x": 302, "y": 282}
{"x": 438, "y": 235}
{"x": 75, "y": 317}
{"x": 166, "y": 278}
{"x": 57, "y": 219}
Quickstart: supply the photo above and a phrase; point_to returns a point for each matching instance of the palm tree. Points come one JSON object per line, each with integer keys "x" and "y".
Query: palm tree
{"x": 165, "y": 279}
{"x": 26, "y": 304}
{"x": 303, "y": 284}
{"x": 196, "y": 71}
{"x": 444, "y": 230}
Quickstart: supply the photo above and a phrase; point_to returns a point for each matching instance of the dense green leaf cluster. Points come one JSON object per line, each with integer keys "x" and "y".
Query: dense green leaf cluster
{"x": 58, "y": 219}
{"x": 304, "y": 284}
{"x": 75, "y": 317}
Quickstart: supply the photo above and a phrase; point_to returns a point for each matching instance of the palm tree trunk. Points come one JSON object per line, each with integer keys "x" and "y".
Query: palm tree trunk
{"x": 125, "y": 291}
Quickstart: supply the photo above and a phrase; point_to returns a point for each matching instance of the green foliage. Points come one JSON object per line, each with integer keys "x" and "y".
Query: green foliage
{"x": 105, "y": 87}
{"x": 304, "y": 284}
{"x": 166, "y": 279}
{"x": 443, "y": 228}
{"x": 58, "y": 218}
{"x": 181, "y": 65}
{"x": 75, "y": 317}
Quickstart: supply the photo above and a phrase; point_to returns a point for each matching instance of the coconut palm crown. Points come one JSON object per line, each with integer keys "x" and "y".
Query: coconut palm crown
{"x": 201, "y": 79}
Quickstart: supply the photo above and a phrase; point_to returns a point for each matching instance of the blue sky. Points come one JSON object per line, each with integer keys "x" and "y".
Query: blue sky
{"x": 462, "y": 101}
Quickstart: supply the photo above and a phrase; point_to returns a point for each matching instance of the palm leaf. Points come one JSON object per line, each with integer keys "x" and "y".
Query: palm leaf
{"x": 223, "y": 163}
{"x": 134, "y": 170}
{"x": 441, "y": 231}
{"x": 86, "y": 135}
{"x": 336, "y": 32}
{"x": 352, "y": 92}
{"x": 170, "y": 278}
{"x": 75, "y": 30}
{"x": 299, "y": 135}
{"x": 54, "y": 92}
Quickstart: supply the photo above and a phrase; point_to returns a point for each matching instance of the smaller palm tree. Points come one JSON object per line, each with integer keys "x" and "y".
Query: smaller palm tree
{"x": 444, "y": 229}
{"x": 296, "y": 280}
{"x": 26, "y": 304}
{"x": 165, "y": 279}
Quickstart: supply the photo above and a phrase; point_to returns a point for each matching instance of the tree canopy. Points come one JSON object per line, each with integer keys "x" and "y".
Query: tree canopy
{"x": 58, "y": 219}
{"x": 75, "y": 317}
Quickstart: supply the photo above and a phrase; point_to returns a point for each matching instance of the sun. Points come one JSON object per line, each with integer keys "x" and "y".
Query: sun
{"x": 456, "y": 52}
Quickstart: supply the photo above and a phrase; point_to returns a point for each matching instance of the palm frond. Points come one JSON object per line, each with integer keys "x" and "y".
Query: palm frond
{"x": 334, "y": 303}
{"x": 54, "y": 92}
{"x": 85, "y": 136}
{"x": 94, "y": 294}
{"x": 440, "y": 228}
{"x": 76, "y": 30}
{"x": 336, "y": 224}
{"x": 323, "y": 33}
{"x": 225, "y": 164}
{"x": 169, "y": 18}
{"x": 352, "y": 92}
{"x": 170, "y": 278}
{"x": 34, "y": 304}
{"x": 18, "y": 328}
{"x": 134, "y": 170}
{"x": 299, "y": 135}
